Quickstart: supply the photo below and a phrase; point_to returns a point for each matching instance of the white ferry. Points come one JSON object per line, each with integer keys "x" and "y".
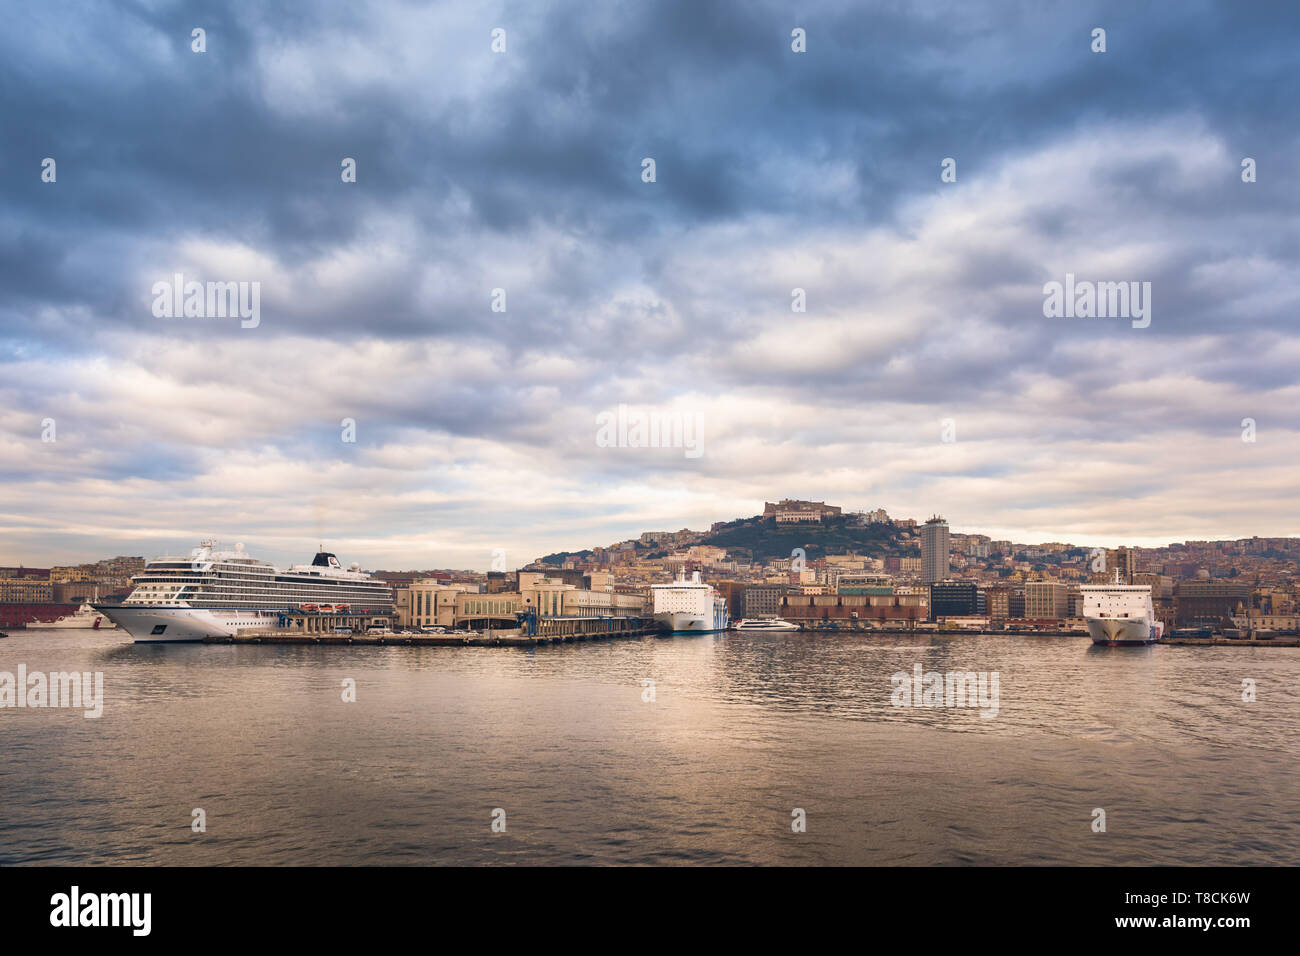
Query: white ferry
{"x": 689, "y": 606}
{"x": 84, "y": 616}
{"x": 764, "y": 624}
{"x": 1120, "y": 614}
{"x": 218, "y": 593}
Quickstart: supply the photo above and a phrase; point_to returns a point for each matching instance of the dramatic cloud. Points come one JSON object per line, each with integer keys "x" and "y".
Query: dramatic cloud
{"x": 521, "y": 171}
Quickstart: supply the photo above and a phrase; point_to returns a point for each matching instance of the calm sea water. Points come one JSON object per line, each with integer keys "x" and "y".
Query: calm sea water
{"x": 743, "y": 729}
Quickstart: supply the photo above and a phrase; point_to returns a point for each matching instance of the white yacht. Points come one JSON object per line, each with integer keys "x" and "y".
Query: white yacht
{"x": 689, "y": 606}
{"x": 764, "y": 624}
{"x": 218, "y": 593}
{"x": 1120, "y": 614}
{"x": 84, "y": 616}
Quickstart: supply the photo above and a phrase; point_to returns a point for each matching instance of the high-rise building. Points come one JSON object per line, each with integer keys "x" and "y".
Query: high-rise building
{"x": 934, "y": 550}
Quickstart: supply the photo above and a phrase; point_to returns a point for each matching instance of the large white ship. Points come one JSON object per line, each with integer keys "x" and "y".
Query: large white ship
{"x": 1120, "y": 614}
{"x": 217, "y": 593}
{"x": 689, "y": 606}
{"x": 84, "y": 616}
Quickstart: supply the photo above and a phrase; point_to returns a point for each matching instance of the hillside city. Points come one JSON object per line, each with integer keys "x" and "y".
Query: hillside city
{"x": 812, "y": 564}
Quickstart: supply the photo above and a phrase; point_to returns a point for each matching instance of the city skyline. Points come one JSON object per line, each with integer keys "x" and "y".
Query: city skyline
{"x": 517, "y": 560}
{"x": 923, "y": 372}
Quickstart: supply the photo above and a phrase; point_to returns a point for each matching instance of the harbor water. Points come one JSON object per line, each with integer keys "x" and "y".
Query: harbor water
{"x": 712, "y": 749}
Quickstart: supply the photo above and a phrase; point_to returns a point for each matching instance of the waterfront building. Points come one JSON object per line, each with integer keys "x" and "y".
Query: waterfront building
{"x": 1208, "y": 603}
{"x": 547, "y": 597}
{"x": 954, "y": 599}
{"x": 763, "y": 600}
{"x": 431, "y": 603}
{"x": 997, "y": 599}
{"x": 820, "y": 610}
{"x": 1047, "y": 600}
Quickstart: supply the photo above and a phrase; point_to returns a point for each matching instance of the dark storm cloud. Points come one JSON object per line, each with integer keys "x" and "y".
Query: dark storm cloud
{"x": 156, "y": 147}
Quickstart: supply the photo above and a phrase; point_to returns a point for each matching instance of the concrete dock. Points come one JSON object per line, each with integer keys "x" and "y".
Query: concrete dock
{"x": 1232, "y": 641}
{"x": 515, "y": 637}
{"x": 501, "y": 638}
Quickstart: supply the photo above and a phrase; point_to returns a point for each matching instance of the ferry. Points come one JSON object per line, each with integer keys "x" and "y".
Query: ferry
{"x": 216, "y": 592}
{"x": 764, "y": 624}
{"x": 689, "y": 606}
{"x": 1120, "y": 615}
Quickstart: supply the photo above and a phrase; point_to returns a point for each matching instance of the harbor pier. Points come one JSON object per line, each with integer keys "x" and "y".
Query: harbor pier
{"x": 529, "y": 631}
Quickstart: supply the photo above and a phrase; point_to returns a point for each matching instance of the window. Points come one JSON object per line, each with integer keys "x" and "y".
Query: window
{"x": 158, "y": 628}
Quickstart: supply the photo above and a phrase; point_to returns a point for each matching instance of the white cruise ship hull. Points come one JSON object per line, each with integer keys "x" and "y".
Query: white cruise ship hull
{"x": 683, "y": 622}
{"x": 1122, "y": 632}
{"x": 152, "y": 624}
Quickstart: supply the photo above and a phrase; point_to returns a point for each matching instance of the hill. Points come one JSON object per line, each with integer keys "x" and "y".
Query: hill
{"x": 762, "y": 539}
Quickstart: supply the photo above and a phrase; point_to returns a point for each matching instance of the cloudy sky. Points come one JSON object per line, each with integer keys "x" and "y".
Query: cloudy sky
{"x": 522, "y": 171}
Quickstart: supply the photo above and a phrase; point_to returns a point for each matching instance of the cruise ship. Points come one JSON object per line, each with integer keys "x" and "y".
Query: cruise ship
{"x": 1120, "y": 614}
{"x": 85, "y": 616}
{"x": 218, "y": 593}
{"x": 689, "y": 606}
